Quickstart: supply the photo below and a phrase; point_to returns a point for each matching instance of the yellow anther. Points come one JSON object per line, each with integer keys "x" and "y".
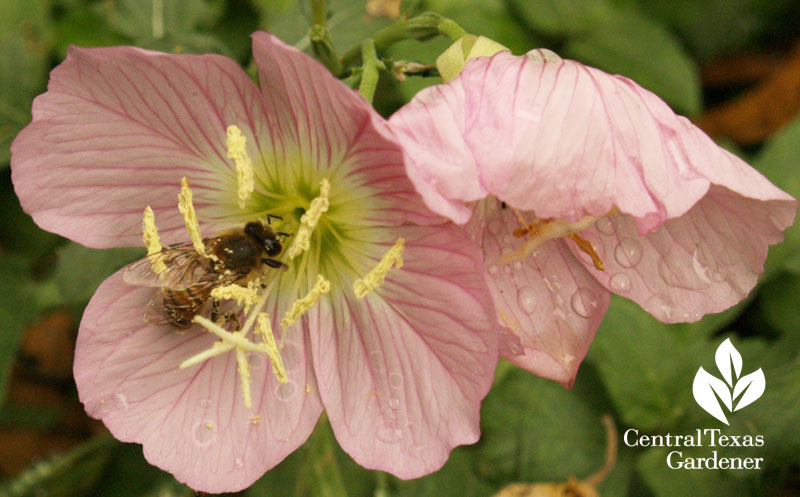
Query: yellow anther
{"x": 300, "y": 307}
{"x": 376, "y": 276}
{"x": 247, "y": 296}
{"x": 152, "y": 241}
{"x": 265, "y": 328}
{"x": 309, "y": 221}
{"x": 186, "y": 207}
{"x": 237, "y": 151}
{"x": 586, "y": 247}
{"x": 244, "y": 377}
{"x": 545, "y": 230}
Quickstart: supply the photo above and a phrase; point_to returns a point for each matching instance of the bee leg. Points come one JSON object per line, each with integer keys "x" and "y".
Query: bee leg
{"x": 270, "y": 217}
{"x": 274, "y": 263}
{"x": 229, "y": 318}
{"x": 215, "y": 310}
{"x": 283, "y": 234}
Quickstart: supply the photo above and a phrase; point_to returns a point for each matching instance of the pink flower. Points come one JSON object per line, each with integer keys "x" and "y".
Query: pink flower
{"x": 400, "y": 372}
{"x": 577, "y": 183}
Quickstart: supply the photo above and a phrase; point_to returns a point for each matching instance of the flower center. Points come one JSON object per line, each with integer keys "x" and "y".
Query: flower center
{"x": 320, "y": 218}
{"x": 541, "y": 230}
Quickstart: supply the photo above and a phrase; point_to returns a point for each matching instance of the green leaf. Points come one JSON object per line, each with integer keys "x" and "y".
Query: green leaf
{"x": 456, "y": 479}
{"x": 63, "y": 475}
{"x": 646, "y": 366}
{"x": 128, "y": 474}
{"x": 778, "y": 162}
{"x": 491, "y": 18}
{"x": 23, "y": 66}
{"x": 632, "y": 45}
{"x": 80, "y": 270}
{"x": 562, "y": 18}
{"x": 535, "y": 430}
{"x": 18, "y": 233}
{"x": 779, "y": 303}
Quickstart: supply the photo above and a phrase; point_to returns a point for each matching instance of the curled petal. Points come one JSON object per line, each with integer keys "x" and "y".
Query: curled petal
{"x": 702, "y": 262}
{"x": 548, "y": 300}
{"x": 116, "y": 131}
{"x": 566, "y": 141}
{"x": 192, "y": 422}
{"x": 402, "y": 371}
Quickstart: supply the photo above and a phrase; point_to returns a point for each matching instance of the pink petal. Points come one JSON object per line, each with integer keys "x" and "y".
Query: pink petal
{"x": 191, "y": 422}
{"x": 116, "y": 131}
{"x": 335, "y": 131}
{"x": 402, "y": 371}
{"x": 702, "y": 262}
{"x": 549, "y": 300}
{"x": 565, "y": 141}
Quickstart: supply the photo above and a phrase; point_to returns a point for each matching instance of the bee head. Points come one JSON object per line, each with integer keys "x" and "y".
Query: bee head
{"x": 265, "y": 237}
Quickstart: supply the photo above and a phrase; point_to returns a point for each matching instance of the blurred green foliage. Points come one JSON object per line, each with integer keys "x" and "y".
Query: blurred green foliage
{"x": 638, "y": 370}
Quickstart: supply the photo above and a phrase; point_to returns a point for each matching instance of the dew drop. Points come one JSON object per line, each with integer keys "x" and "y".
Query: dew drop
{"x": 584, "y": 302}
{"x": 507, "y": 269}
{"x": 238, "y": 462}
{"x": 526, "y": 298}
{"x": 377, "y": 361}
{"x": 517, "y": 265}
{"x": 628, "y": 252}
{"x": 620, "y": 282}
{"x": 493, "y": 269}
{"x": 605, "y": 226}
{"x": 286, "y": 391}
{"x": 718, "y": 277}
{"x": 394, "y": 403}
{"x": 390, "y": 434}
{"x": 659, "y": 306}
{"x": 255, "y": 361}
{"x": 204, "y": 433}
{"x": 292, "y": 356}
{"x": 205, "y": 402}
{"x": 395, "y": 380}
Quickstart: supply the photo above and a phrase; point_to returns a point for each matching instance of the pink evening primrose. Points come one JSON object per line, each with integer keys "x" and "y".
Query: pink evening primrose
{"x": 378, "y": 315}
{"x": 577, "y": 183}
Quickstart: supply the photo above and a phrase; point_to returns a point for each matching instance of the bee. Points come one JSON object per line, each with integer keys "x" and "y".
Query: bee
{"x": 190, "y": 277}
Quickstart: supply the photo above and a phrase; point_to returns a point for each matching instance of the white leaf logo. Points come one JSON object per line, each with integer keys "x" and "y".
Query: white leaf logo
{"x": 709, "y": 390}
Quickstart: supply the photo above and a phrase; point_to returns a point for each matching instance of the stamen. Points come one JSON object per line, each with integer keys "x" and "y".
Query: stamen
{"x": 309, "y": 221}
{"x": 152, "y": 241}
{"x": 236, "y": 339}
{"x": 190, "y": 218}
{"x": 301, "y": 306}
{"x": 237, "y": 151}
{"x": 218, "y": 348}
{"x": 586, "y": 247}
{"x": 265, "y": 328}
{"x": 247, "y": 296}
{"x": 244, "y": 377}
{"x": 547, "y": 231}
{"x": 376, "y": 277}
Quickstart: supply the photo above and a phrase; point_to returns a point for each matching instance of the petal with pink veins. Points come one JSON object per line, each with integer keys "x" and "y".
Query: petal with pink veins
{"x": 116, "y": 131}
{"x": 402, "y": 371}
{"x": 702, "y": 262}
{"x": 338, "y": 132}
{"x": 548, "y": 300}
{"x": 192, "y": 422}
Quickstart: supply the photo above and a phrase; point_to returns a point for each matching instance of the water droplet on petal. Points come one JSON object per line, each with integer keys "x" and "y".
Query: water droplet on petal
{"x": 238, "y": 462}
{"x": 517, "y": 265}
{"x": 204, "y": 433}
{"x": 605, "y": 226}
{"x": 493, "y": 269}
{"x": 620, "y": 283}
{"x": 377, "y": 361}
{"x": 507, "y": 269}
{"x": 718, "y": 277}
{"x": 395, "y": 380}
{"x": 526, "y": 298}
{"x": 205, "y": 403}
{"x": 584, "y": 302}
{"x": 659, "y": 306}
{"x": 390, "y": 434}
{"x": 628, "y": 252}
{"x": 394, "y": 403}
{"x": 292, "y": 356}
{"x": 255, "y": 361}
{"x": 286, "y": 391}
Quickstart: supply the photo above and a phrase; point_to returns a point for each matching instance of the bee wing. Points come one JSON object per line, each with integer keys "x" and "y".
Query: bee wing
{"x": 185, "y": 267}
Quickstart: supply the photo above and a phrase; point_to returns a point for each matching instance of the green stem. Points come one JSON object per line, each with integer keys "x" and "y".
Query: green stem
{"x": 322, "y": 46}
{"x": 369, "y": 74}
{"x": 319, "y": 12}
{"x": 421, "y": 27}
